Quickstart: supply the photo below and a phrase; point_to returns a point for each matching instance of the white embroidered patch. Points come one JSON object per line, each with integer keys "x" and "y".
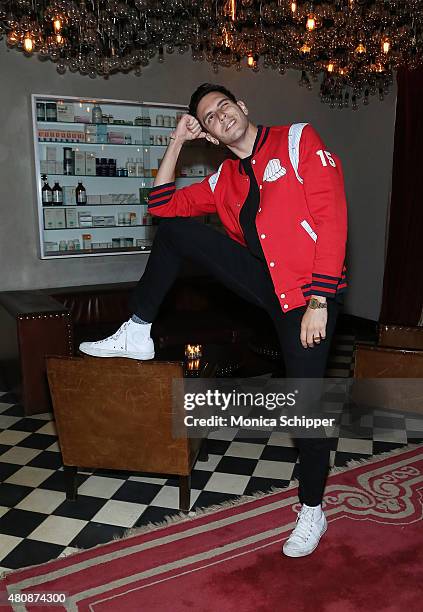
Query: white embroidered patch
{"x": 214, "y": 178}
{"x": 294, "y": 137}
{"x": 309, "y": 229}
{"x": 273, "y": 171}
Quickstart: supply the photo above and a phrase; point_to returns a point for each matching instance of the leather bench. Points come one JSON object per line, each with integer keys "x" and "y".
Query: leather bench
{"x": 34, "y": 324}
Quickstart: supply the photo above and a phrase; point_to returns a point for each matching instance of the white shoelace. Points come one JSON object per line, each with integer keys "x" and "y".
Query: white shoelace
{"x": 116, "y": 335}
{"x": 304, "y": 526}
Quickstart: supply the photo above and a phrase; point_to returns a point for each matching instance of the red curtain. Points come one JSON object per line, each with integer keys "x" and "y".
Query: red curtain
{"x": 403, "y": 277}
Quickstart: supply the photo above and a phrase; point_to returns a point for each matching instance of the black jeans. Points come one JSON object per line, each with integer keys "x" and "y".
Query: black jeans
{"x": 235, "y": 266}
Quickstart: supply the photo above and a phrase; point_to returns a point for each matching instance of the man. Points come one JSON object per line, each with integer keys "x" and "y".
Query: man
{"x": 283, "y": 207}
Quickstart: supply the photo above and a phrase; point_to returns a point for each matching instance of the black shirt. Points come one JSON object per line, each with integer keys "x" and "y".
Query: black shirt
{"x": 247, "y": 217}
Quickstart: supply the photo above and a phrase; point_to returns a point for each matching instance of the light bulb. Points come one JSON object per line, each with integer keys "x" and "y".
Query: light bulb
{"x": 311, "y": 23}
{"x": 294, "y": 7}
{"x": 57, "y": 25}
{"x": 59, "y": 39}
{"x": 250, "y": 61}
{"x": 28, "y": 43}
{"x": 305, "y": 48}
{"x": 386, "y": 46}
{"x": 331, "y": 67}
{"x": 360, "y": 49}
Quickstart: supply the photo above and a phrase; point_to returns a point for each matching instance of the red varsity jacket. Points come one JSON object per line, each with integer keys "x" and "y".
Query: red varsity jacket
{"x": 302, "y": 218}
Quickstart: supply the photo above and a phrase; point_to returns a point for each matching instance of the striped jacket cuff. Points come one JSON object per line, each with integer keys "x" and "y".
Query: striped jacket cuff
{"x": 162, "y": 194}
{"x": 326, "y": 285}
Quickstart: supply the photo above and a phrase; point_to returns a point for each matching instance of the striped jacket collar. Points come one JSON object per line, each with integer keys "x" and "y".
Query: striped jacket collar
{"x": 261, "y": 137}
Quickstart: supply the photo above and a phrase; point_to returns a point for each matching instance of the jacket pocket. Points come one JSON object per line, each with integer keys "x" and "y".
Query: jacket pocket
{"x": 307, "y": 227}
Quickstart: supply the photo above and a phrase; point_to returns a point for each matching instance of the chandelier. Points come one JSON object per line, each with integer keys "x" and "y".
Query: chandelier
{"x": 352, "y": 46}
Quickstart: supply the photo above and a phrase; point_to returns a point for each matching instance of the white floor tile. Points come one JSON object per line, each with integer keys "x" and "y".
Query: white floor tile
{"x": 42, "y": 500}
{"x": 58, "y": 530}
{"x": 338, "y": 372}
{"x": 100, "y": 486}
{"x": 44, "y": 416}
{"x": 281, "y": 438}
{"x": 210, "y": 465}
{"x": 4, "y": 407}
{"x": 29, "y": 476}
{"x": 274, "y": 469}
{"x": 54, "y": 447}
{"x": 3, "y": 510}
{"x": 228, "y": 433}
{"x": 389, "y": 435}
{"x": 168, "y": 497}
{"x": 349, "y": 445}
{"x": 8, "y": 421}
{"x": 227, "y": 483}
{"x": 7, "y": 544}
{"x": 246, "y": 450}
{"x": 12, "y": 437}
{"x": 68, "y": 551}
{"x": 341, "y": 359}
{"x": 20, "y": 455}
{"x": 152, "y": 480}
{"x": 124, "y": 514}
{"x": 49, "y": 428}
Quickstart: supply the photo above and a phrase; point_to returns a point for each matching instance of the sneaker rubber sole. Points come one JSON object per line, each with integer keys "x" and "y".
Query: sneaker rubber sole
{"x": 298, "y": 553}
{"x": 98, "y": 353}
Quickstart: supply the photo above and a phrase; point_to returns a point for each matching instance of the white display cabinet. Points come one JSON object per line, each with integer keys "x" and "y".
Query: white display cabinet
{"x": 116, "y": 162}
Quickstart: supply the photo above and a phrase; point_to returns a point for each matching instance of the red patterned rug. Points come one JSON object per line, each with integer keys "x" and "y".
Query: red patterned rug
{"x": 229, "y": 559}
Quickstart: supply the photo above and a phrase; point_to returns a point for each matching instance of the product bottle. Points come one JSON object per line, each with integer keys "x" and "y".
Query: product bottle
{"x": 139, "y": 167}
{"x": 67, "y": 161}
{"x": 46, "y": 192}
{"x": 57, "y": 194}
{"x": 81, "y": 195}
{"x": 97, "y": 114}
{"x": 132, "y": 167}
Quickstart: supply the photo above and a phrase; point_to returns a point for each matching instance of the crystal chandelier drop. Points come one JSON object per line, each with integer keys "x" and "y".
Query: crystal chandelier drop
{"x": 353, "y": 46}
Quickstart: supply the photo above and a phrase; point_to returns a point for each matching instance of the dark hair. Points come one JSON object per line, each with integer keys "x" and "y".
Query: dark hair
{"x": 202, "y": 91}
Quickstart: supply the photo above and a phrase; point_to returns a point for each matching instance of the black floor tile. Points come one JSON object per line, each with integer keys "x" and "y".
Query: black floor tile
{"x": 48, "y": 459}
{"x": 209, "y": 498}
{"x": 342, "y": 458}
{"x": 3, "y": 449}
{"x": 15, "y": 410}
{"x": 40, "y": 441}
{"x": 279, "y": 453}
{"x": 28, "y": 424}
{"x": 199, "y": 479}
{"x": 8, "y": 398}
{"x": 96, "y": 533}
{"x": 217, "y": 447}
{"x": 84, "y": 508}
{"x": 236, "y": 465}
{"x": 253, "y": 436}
{"x": 11, "y": 494}
{"x": 383, "y": 447}
{"x": 20, "y": 523}
{"x": 137, "y": 492}
{"x": 56, "y": 482}
{"x": 121, "y": 474}
{"x": 154, "y": 514}
{"x": 31, "y": 552}
{"x": 415, "y": 439}
{"x": 264, "y": 485}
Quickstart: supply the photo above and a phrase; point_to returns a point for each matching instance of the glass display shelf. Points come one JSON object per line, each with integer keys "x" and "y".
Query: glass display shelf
{"x": 95, "y": 227}
{"x": 114, "y": 125}
{"x": 61, "y": 128}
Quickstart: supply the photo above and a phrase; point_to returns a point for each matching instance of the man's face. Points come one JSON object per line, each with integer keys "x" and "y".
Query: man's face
{"x": 224, "y": 120}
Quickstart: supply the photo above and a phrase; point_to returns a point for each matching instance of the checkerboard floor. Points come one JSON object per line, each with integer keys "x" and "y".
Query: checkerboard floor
{"x": 38, "y": 524}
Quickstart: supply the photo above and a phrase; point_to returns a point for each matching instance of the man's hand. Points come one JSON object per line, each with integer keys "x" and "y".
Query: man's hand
{"x": 313, "y": 327}
{"x": 188, "y": 128}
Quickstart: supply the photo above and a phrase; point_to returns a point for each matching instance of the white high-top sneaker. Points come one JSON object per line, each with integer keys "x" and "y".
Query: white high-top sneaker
{"x": 131, "y": 340}
{"x": 311, "y": 525}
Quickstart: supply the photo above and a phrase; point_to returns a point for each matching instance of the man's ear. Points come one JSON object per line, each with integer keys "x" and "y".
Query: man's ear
{"x": 211, "y": 139}
{"x": 242, "y": 107}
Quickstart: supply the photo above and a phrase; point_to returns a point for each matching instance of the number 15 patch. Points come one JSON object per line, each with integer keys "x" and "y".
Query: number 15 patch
{"x": 326, "y": 157}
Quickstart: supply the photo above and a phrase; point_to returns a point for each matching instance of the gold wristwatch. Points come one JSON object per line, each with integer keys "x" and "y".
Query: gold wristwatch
{"x": 314, "y": 303}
